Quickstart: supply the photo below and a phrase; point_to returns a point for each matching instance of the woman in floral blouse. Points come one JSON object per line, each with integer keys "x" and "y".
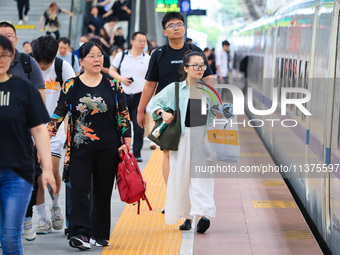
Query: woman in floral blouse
{"x": 99, "y": 121}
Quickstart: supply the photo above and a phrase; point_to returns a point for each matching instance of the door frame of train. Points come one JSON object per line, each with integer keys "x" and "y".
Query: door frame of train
{"x": 309, "y": 104}
{"x": 335, "y": 37}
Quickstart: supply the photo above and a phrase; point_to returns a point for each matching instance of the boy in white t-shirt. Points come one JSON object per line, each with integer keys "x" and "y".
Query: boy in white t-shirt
{"x": 45, "y": 49}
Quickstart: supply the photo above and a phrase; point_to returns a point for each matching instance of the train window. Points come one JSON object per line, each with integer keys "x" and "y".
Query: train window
{"x": 286, "y": 73}
{"x": 290, "y": 73}
{"x": 277, "y": 72}
{"x": 305, "y": 84}
{"x": 299, "y": 83}
{"x": 300, "y": 74}
{"x": 293, "y": 108}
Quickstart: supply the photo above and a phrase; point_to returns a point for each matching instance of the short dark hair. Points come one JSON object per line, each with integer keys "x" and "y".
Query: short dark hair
{"x": 97, "y": 41}
{"x": 137, "y": 33}
{"x": 6, "y": 44}
{"x": 86, "y": 48}
{"x": 206, "y": 49}
{"x": 6, "y": 24}
{"x": 225, "y": 43}
{"x": 64, "y": 40}
{"x": 45, "y": 49}
{"x": 170, "y": 16}
{"x": 25, "y": 43}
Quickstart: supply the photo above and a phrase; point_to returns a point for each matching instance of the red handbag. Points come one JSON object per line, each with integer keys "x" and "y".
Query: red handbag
{"x": 131, "y": 185}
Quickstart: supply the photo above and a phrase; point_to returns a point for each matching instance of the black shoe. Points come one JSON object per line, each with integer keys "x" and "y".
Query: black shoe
{"x": 163, "y": 211}
{"x": 139, "y": 159}
{"x": 80, "y": 241}
{"x": 186, "y": 225}
{"x": 203, "y": 224}
{"x": 99, "y": 242}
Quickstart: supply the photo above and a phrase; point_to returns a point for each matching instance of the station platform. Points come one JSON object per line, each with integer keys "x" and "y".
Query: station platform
{"x": 254, "y": 216}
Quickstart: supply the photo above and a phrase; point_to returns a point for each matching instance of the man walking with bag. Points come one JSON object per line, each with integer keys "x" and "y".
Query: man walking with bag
{"x": 133, "y": 65}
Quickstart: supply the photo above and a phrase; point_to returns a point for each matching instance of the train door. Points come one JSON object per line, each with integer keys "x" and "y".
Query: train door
{"x": 331, "y": 188}
{"x": 333, "y": 153}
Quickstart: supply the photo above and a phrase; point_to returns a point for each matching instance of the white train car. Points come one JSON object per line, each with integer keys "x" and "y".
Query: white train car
{"x": 299, "y": 47}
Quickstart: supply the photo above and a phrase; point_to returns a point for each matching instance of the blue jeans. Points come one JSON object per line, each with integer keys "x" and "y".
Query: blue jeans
{"x": 15, "y": 194}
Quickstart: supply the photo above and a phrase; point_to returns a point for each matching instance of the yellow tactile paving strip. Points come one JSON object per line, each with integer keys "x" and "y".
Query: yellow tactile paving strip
{"x": 146, "y": 233}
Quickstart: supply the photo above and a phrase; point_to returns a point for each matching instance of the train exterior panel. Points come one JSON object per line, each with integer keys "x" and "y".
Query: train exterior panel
{"x": 299, "y": 47}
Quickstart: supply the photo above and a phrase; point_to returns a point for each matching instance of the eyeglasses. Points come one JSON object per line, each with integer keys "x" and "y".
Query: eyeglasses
{"x": 92, "y": 57}
{"x": 5, "y": 57}
{"x": 173, "y": 26}
{"x": 198, "y": 67}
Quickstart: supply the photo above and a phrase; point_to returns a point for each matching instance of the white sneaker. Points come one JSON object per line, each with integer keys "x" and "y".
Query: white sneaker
{"x": 44, "y": 227}
{"x": 56, "y": 218}
{"x": 25, "y": 18}
{"x": 28, "y": 231}
{"x": 20, "y": 22}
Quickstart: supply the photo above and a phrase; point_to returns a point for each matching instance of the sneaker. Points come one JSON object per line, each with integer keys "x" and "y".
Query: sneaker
{"x": 99, "y": 242}
{"x": 28, "y": 231}
{"x": 25, "y": 18}
{"x": 20, "y": 22}
{"x": 80, "y": 241}
{"x": 44, "y": 226}
{"x": 56, "y": 218}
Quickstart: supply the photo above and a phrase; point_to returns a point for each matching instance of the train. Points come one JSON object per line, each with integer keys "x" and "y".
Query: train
{"x": 298, "y": 46}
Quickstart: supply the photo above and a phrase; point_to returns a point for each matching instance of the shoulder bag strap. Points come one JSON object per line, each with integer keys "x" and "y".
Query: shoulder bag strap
{"x": 177, "y": 95}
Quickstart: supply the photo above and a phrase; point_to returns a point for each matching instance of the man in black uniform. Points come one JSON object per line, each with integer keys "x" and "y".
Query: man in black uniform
{"x": 164, "y": 66}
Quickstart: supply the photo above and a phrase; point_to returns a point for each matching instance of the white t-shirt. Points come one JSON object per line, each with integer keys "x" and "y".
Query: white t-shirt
{"x": 52, "y": 87}
{"x": 222, "y": 61}
{"x": 132, "y": 67}
{"x": 68, "y": 58}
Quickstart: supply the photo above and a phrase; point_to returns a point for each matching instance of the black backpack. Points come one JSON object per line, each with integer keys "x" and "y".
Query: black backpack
{"x": 121, "y": 60}
{"x": 160, "y": 50}
{"x": 58, "y": 67}
{"x": 26, "y": 65}
{"x": 125, "y": 52}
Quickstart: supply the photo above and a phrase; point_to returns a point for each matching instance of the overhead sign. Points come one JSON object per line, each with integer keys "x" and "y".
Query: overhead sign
{"x": 167, "y": 6}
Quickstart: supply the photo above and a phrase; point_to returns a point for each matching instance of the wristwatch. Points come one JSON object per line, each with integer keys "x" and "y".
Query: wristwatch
{"x": 160, "y": 113}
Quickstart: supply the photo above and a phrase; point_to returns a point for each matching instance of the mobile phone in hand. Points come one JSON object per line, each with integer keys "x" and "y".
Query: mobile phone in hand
{"x": 131, "y": 79}
{"x": 50, "y": 191}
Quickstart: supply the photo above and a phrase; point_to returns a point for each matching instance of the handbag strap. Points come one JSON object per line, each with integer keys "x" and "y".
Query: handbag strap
{"x": 177, "y": 94}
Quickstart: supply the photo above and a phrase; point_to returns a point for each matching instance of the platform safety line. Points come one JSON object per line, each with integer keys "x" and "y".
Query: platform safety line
{"x": 146, "y": 233}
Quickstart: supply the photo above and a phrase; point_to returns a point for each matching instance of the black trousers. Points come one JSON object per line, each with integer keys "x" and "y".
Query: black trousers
{"x": 138, "y": 132}
{"x": 100, "y": 167}
{"x": 38, "y": 172}
{"x": 21, "y": 4}
{"x": 57, "y": 34}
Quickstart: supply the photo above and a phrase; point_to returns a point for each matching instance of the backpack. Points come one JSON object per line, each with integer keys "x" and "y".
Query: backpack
{"x": 129, "y": 180}
{"x": 161, "y": 50}
{"x": 73, "y": 59}
{"x": 58, "y": 67}
{"x": 124, "y": 52}
{"x": 26, "y": 65}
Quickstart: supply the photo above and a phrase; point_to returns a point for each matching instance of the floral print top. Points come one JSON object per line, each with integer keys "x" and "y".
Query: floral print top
{"x": 80, "y": 131}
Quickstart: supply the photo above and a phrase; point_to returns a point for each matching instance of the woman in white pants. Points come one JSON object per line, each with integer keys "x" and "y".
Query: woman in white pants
{"x": 187, "y": 196}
